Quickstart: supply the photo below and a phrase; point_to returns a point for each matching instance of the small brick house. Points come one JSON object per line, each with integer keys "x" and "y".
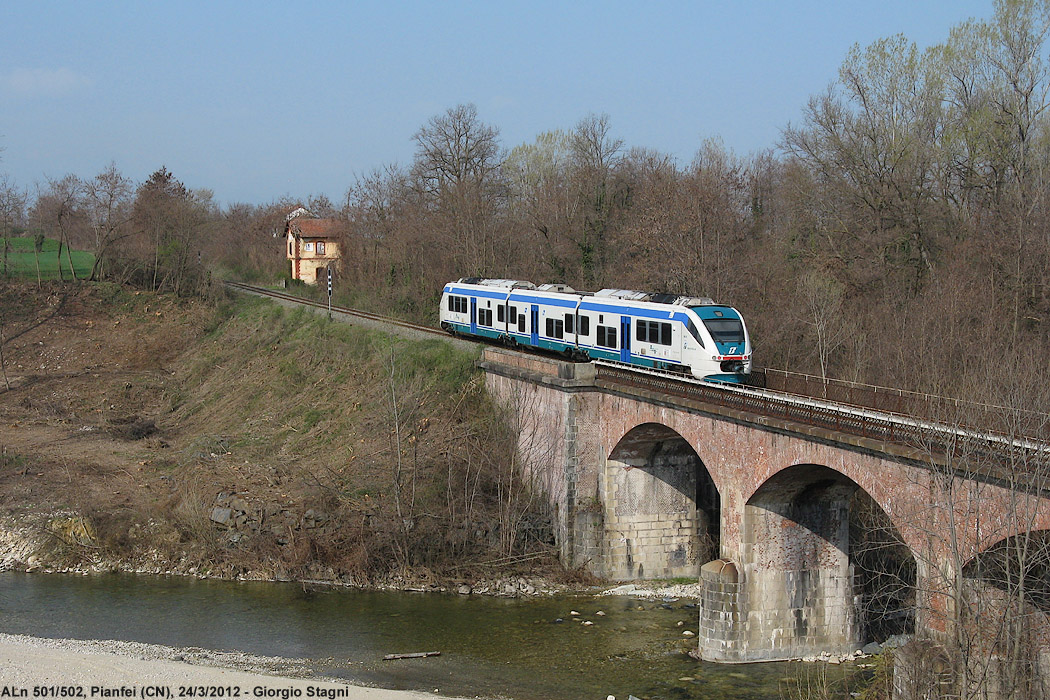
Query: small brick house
{"x": 313, "y": 245}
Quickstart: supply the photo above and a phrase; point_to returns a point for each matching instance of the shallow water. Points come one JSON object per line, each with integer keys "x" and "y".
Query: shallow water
{"x": 512, "y": 648}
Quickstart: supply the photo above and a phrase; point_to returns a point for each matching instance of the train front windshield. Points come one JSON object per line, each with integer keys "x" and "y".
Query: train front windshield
{"x": 725, "y": 330}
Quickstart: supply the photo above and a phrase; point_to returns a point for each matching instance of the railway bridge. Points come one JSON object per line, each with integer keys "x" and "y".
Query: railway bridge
{"x": 810, "y": 528}
{"x": 812, "y": 525}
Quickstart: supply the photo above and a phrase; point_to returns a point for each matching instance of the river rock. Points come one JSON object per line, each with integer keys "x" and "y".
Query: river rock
{"x": 872, "y": 648}
{"x": 897, "y": 641}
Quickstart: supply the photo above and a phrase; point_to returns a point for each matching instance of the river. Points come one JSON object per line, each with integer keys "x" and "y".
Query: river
{"x": 512, "y": 648}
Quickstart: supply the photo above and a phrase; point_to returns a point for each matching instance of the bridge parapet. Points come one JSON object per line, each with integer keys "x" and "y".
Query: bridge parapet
{"x": 536, "y": 368}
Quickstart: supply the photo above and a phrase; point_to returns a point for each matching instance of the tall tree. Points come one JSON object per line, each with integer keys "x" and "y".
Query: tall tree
{"x": 108, "y": 204}
{"x": 542, "y": 200}
{"x": 172, "y": 220}
{"x": 59, "y": 211}
{"x": 595, "y": 153}
{"x": 12, "y": 213}
{"x": 456, "y": 169}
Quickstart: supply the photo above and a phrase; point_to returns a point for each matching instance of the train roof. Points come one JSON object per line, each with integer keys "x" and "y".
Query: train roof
{"x": 655, "y": 297}
{"x": 623, "y": 294}
{"x": 503, "y": 283}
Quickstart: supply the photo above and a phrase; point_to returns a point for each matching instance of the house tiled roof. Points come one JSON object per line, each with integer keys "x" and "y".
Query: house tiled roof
{"x": 313, "y": 228}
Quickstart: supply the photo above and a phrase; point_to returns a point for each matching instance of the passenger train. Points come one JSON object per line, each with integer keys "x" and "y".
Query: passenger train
{"x": 691, "y": 335}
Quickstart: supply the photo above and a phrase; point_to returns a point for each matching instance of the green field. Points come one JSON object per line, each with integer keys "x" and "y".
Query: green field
{"x": 21, "y": 260}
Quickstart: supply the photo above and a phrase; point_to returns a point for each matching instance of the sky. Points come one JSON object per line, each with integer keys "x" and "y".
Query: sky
{"x": 257, "y": 101}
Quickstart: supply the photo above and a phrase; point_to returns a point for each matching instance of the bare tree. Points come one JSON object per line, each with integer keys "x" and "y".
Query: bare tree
{"x": 108, "y": 203}
{"x": 12, "y": 213}
{"x": 456, "y": 169}
{"x": 59, "y": 210}
{"x": 594, "y": 155}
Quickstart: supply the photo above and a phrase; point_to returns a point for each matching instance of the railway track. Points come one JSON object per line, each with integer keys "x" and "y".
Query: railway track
{"x": 921, "y": 433}
{"x": 344, "y": 310}
{"x": 927, "y": 436}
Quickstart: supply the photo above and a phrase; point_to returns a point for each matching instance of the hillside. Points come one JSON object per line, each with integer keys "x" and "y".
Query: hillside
{"x": 145, "y": 432}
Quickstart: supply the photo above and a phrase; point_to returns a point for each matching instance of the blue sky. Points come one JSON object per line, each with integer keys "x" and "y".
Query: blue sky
{"x": 259, "y": 100}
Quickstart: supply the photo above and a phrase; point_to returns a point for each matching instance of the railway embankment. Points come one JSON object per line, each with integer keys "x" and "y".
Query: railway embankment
{"x": 141, "y": 432}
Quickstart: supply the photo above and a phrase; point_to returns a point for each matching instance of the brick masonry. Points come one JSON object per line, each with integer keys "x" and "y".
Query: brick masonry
{"x": 645, "y": 485}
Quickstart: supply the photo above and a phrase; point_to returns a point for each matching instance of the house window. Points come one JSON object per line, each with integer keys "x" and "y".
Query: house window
{"x": 290, "y": 251}
{"x": 320, "y": 247}
{"x": 309, "y": 247}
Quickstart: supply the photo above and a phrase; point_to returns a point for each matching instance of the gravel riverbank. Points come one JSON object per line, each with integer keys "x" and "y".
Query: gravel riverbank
{"x": 97, "y": 669}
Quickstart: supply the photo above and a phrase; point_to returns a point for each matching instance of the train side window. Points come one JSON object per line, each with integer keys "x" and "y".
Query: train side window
{"x": 585, "y": 325}
{"x": 521, "y": 323}
{"x": 693, "y": 332}
{"x": 485, "y": 317}
{"x": 570, "y": 323}
{"x": 665, "y": 334}
{"x": 457, "y": 305}
{"x": 501, "y": 310}
{"x": 607, "y": 336}
{"x": 513, "y": 313}
{"x": 642, "y": 330}
{"x": 555, "y": 328}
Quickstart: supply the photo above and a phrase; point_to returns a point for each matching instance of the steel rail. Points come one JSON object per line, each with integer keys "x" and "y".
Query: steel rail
{"x": 930, "y": 437}
{"x": 341, "y": 309}
{"x": 885, "y": 426}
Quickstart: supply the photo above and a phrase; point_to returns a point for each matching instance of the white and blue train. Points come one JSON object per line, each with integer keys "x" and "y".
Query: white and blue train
{"x": 691, "y": 335}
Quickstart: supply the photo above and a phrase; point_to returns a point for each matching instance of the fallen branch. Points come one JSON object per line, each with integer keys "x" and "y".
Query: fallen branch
{"x": 414, "y": 655}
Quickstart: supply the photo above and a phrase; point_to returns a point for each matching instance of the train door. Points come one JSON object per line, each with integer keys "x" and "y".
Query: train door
{"x": 625, "y": 343}
{"x": 534, "y": 328}
{"x": 473, "y": 315}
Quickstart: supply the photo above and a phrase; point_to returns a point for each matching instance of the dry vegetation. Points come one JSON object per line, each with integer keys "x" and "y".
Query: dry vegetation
{"x": 246, "y": 440}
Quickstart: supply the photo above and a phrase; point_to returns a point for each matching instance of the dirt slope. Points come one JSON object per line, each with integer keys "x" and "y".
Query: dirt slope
{"x": 144, "y": 432}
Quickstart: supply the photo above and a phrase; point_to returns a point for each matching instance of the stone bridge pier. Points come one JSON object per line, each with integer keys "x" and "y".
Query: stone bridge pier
{"x": 796, "y": 534}
{"x": 788, "y": 590}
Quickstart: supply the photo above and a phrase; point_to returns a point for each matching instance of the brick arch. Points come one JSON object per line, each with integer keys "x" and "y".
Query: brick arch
{"x": 1004, "y": 565}
{"x": 884, "y": 484}
{"x": 662, "y": 508}
{"x": 829, "y": 539}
